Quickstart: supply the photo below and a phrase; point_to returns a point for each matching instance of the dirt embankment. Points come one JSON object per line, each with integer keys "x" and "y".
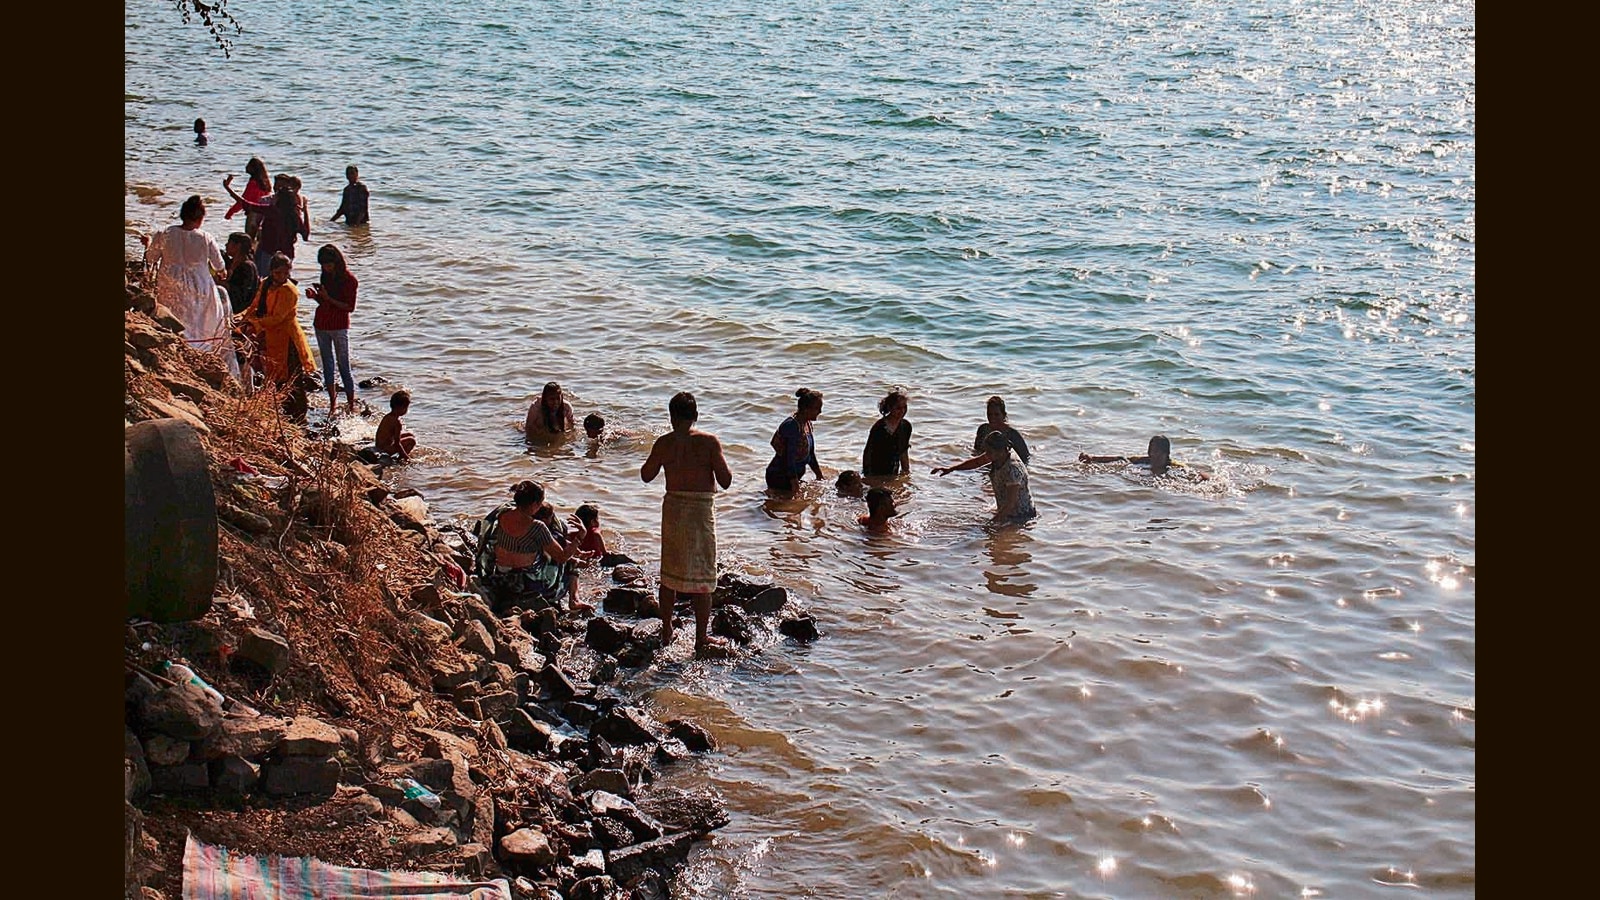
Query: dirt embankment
{"x": 349, "y": 659}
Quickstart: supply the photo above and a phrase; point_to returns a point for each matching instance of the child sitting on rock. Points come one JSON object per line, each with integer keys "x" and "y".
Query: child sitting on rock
{"x": 392, "y": 439}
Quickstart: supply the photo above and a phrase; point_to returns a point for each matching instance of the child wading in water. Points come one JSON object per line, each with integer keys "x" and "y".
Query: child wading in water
{"x": 392, "y": 439}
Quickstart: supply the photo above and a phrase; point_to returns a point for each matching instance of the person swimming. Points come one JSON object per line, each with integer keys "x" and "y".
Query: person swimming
{"x": 1158, "y": 456}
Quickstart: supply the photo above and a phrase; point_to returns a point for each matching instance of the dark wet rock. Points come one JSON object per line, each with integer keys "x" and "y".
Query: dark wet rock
{"x": 604, "y": 804}
{"x": 625, "y": 725}
{"x": 612, "y": 833}
{"x": 605, "y": 669}
{"x": 647, "y": 633}
{"x": 627, "y": 573}
{"x": 767, "y": 602}
{"x": 528, "y": 846}
{"x": 671, "y": 752}
{"x": 648, "y": 885}
{"x": 374, "y": 381}
{"x": 525, "y": 733}
{"x": 183, "y": 711}
{"x": 559, "y": 683}
{"x": 625, "y": 600}
{"x": 663, "y": 854}
{"x": 596, "y": 887}
{"x": 732, "y": 622}
{"x": 612, "y": 560}
{"x": 801, "y": 628}
{"x": 263, "y": 649}
{"x": 697, "y": 812}
{"x": 540, "y": 622}
{"x": 580, "y": 713}
{"x": 181, "y": 779}
{"x": 520, "y": 652}
{"x": 604, "y": 635}
{"x": 613, "y": 781}
{"x": 697, "y": 739}
{"x": 591, "y": 863}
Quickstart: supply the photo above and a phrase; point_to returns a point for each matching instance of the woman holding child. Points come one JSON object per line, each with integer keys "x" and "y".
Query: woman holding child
{"x": 531, "y": 564}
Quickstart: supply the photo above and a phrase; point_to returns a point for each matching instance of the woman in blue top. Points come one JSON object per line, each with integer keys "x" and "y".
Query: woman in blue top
{"x": 792, "y": 444}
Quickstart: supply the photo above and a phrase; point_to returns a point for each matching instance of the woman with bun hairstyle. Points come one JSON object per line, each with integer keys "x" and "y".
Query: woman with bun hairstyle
{"x": 792, "y": 444}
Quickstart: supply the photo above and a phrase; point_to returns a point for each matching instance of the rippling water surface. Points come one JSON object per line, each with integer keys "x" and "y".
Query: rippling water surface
{"x": 1247, "y": 226}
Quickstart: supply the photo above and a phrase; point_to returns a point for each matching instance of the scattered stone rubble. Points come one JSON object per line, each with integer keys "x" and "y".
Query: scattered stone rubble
{"x": 502, "y": 748}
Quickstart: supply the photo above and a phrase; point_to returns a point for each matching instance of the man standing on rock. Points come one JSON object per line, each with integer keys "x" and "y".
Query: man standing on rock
{"x": 688, "y": 518}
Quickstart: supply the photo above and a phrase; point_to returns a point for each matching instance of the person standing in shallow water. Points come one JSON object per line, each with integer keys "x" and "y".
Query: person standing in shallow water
{"x": 336, "y": 299}
{"x": 996, "y": 412}
{"x": 1007, "y": 475}
{"x": 695, "y": 466}
{"x": 353, "y": 205}
{"x": 888, "y": 450}
{"x": 793, "y": 446}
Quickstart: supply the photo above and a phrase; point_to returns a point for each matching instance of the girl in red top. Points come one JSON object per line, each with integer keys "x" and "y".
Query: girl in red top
{"x": 259, "y": 188}
{"x": 336, "y": 297}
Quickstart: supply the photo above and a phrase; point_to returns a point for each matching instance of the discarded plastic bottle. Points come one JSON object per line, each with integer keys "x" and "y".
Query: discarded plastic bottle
{"x": 180, "y": 673}
{"x": 415, "y": 791}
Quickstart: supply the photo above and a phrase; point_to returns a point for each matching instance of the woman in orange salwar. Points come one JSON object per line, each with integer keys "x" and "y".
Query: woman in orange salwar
{"x": 271, "y": 321}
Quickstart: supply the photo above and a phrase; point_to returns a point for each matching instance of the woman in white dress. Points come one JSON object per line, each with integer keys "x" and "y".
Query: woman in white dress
{"x": 183, "y": 258}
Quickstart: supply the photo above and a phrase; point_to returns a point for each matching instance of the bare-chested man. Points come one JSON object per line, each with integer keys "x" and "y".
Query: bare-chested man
{"x": 688, "y": 518}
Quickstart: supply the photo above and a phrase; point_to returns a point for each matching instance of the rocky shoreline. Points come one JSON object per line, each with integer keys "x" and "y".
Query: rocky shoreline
{"x": 357, "y": 703}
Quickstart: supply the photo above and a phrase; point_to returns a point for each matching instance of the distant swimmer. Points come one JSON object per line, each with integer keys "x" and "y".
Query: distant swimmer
{"x": 200, "y": 137}
{"x": 1158, "y": 458}
{"x": 695, "y": 466}
{"x": 888, "y": 443}
{"x": 880, "y": 509}
{"x": 594, "y": 426}
{"x": 550, "y": 416}
{"x": 1007, "y": 475}
{"x": 793, "y": 446}
{"x": 996, "y": 411}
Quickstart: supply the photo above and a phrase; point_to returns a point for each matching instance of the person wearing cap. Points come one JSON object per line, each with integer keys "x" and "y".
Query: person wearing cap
{"x": 1007, "y": 475}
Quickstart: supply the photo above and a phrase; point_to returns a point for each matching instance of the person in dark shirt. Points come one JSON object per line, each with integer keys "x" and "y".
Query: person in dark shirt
{"x": 1158, "y": 457}
{"x": 239, "y": 267}
{"x": 997, "y": 422}
{"x": 200, "y": 137}
{"x": 353, "y": 206}
{"x": 889, "y": 442}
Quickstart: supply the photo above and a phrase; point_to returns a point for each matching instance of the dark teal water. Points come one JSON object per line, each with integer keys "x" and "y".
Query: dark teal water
{"x": 1250, "y": 227}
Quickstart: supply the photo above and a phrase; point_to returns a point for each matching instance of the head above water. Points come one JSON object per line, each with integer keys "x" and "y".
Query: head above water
{"x": 849, "y": 481}
{"x": 352, "y": 174}
{"x": 892, "y": 402}
{"x": 589, "y": 515}
{"x": 400, "y": 401}
{"x": 192, "y": 210}
{"x": 1160, "y": 454}
{"x": 997, "y": 444}
{"x": 199, "y": 126}
{"x": 551, "y": 393}
{"x": 996, "y": 410}
{"x": 526, "y": 494}
{"x": 682, "y": 408}
{"x": 593, "y": 424}
{"x": 880, "y": 501}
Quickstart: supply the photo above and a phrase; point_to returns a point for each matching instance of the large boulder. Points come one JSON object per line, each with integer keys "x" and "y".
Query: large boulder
{"x": 528, "y": 846}
{"x": 301, "y": 775}
{"x": 626, "y": 725}
{"x": 184, "y": 711}
{"x": 663, "y": 854}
